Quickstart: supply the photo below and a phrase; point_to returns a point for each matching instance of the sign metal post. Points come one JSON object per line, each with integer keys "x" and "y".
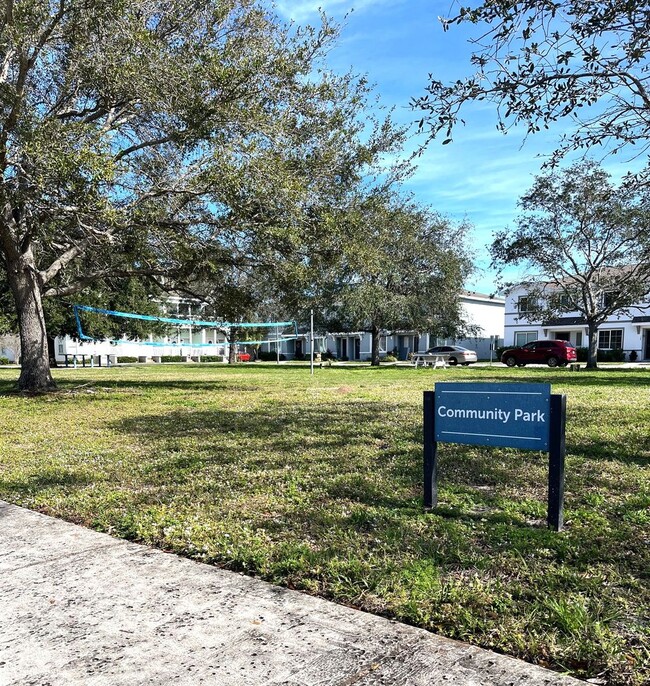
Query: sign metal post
{"x": 556, "y": 454}
{"x": 524, "y": 416}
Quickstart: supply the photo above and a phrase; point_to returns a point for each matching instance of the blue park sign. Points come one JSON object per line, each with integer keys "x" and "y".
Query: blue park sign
{"x": 515, "y": 415}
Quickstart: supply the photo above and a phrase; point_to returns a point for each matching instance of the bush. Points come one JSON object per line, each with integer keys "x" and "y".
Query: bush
{"x": 614, "y": 355}
{"x": 271, "y": 356}
{"x": 172, "y": 358}
{"x": 126, "y": 360}
{"x": 327, "y": 355}
{"x": 634, "y": 356}
{"x": 617, "y": 355}
{"x": 389, "y": 358}
{"x": 5, "y": 360}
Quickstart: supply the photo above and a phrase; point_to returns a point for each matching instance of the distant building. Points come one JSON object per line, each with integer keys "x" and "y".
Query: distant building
{"x": 187, "y": 341}
{"x": 483, "y": 312}
{"x": 629, "y": 333}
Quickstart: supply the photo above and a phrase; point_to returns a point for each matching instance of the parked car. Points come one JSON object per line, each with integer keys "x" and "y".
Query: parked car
{"x": 552, "y": 353}
{"x": 456, "y": 354}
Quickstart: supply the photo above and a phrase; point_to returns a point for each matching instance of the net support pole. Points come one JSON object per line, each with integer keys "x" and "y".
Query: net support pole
{"x": 311, "y": 343}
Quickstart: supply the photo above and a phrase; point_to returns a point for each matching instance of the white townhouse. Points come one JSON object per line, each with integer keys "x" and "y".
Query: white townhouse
{"x": 484, "y": 312}
{"x": 628, "y": 332}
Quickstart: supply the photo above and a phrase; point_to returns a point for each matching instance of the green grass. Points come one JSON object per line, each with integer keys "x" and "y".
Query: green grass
{"x": 316, "y": 484}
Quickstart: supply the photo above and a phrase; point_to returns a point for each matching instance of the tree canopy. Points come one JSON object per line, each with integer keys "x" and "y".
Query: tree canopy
{"x": 158, "y": 139}
{"x": 406, "y": 272}
{"x": 540, "y": 61}
{"x": 586, "y": 243}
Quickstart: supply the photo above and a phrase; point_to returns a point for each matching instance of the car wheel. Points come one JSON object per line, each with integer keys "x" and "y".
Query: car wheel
{"x": 510, "y": 361}
{"x": 552, "y": 361}
{"x": 452, "y": 361}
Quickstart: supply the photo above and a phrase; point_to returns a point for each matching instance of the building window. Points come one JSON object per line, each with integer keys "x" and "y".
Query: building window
{"x": 609, "y": 298}
{"x": 561, "y": 301}
{"x": 526, "y": 304}
{"x": 523, "y": 337}
{"x": 610, "y": 339}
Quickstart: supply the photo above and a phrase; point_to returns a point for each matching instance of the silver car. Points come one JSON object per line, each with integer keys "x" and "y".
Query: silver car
{"x": 456, "y": 354}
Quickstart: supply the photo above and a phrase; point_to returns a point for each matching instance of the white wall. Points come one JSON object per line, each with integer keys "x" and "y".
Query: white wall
{"x": 633, "y": 331}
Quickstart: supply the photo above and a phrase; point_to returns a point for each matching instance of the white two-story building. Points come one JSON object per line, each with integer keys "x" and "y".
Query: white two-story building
{"x": 485, "y": 313}
{"x": 628, "y": 332}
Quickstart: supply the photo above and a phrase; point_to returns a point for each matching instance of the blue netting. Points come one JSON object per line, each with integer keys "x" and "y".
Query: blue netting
{"x": 184, "y": 322}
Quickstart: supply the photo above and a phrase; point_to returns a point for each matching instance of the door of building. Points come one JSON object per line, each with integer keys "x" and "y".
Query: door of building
{"x": 647, "y": 345}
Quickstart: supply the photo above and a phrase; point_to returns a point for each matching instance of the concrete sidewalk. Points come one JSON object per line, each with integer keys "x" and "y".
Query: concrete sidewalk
{"x": 79, "y": 607}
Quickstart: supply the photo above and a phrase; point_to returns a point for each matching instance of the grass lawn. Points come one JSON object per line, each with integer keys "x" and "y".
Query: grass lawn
{"x": 316, "y": 484}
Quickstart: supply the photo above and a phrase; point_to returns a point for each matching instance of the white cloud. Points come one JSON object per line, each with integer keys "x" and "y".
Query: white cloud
{"x": 305, "y": 10}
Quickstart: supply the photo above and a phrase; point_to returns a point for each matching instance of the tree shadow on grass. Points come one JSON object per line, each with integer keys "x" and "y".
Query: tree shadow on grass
{"x": 46, "y": 479}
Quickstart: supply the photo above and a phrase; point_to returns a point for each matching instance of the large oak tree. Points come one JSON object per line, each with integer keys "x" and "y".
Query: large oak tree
{"x": 586, "y": 244}
{"x": 159, "y": 138}
{"x": 406, "y": 274}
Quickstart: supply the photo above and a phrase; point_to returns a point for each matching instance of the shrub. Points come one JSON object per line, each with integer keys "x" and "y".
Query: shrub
{"x": 271, "y": 356}
{"x": 5, "y": 360}
{"x": 172, "y": 358}
{"x": 617, "y": 355}
{"x": 389, "y": 358}
{"x": 634, "y": 356}
{"x": 126, "y": 360}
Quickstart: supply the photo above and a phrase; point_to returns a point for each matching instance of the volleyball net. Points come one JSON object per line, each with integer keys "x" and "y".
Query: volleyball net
{"x": 189, "y": 323}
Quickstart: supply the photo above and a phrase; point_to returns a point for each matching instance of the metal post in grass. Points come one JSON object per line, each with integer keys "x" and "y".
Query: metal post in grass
{"x": 311, "y": 343}
{"x": 511, "y": 415}
{"x": 430, "y": 451}
{"x": 556, "y": 455}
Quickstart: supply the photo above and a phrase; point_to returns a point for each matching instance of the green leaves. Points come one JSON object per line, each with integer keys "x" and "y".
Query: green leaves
{"x": 542, "y": 61}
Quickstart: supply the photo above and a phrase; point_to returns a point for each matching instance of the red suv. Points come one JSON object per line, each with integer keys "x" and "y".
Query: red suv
{"x": 552, "y": 353}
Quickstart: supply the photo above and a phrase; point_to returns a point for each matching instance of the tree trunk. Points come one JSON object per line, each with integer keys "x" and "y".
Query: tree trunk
{"x": 592, "y": 346}
{"x": 232, "y": 349}
{"x": 35, "y": 375}
{"x": 374, "y": 356}
{"x": 51, "y": 350}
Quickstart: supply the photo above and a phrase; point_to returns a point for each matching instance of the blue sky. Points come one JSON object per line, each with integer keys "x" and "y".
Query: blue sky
{"x": 479, "y": 176}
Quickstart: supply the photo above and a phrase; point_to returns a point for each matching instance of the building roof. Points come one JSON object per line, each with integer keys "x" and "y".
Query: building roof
{"x": 566, "y": 321}
{"x": 484, "y": 297}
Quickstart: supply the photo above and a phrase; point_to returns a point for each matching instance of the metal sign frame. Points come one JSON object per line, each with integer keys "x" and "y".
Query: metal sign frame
{"x": 556, "y": 452}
